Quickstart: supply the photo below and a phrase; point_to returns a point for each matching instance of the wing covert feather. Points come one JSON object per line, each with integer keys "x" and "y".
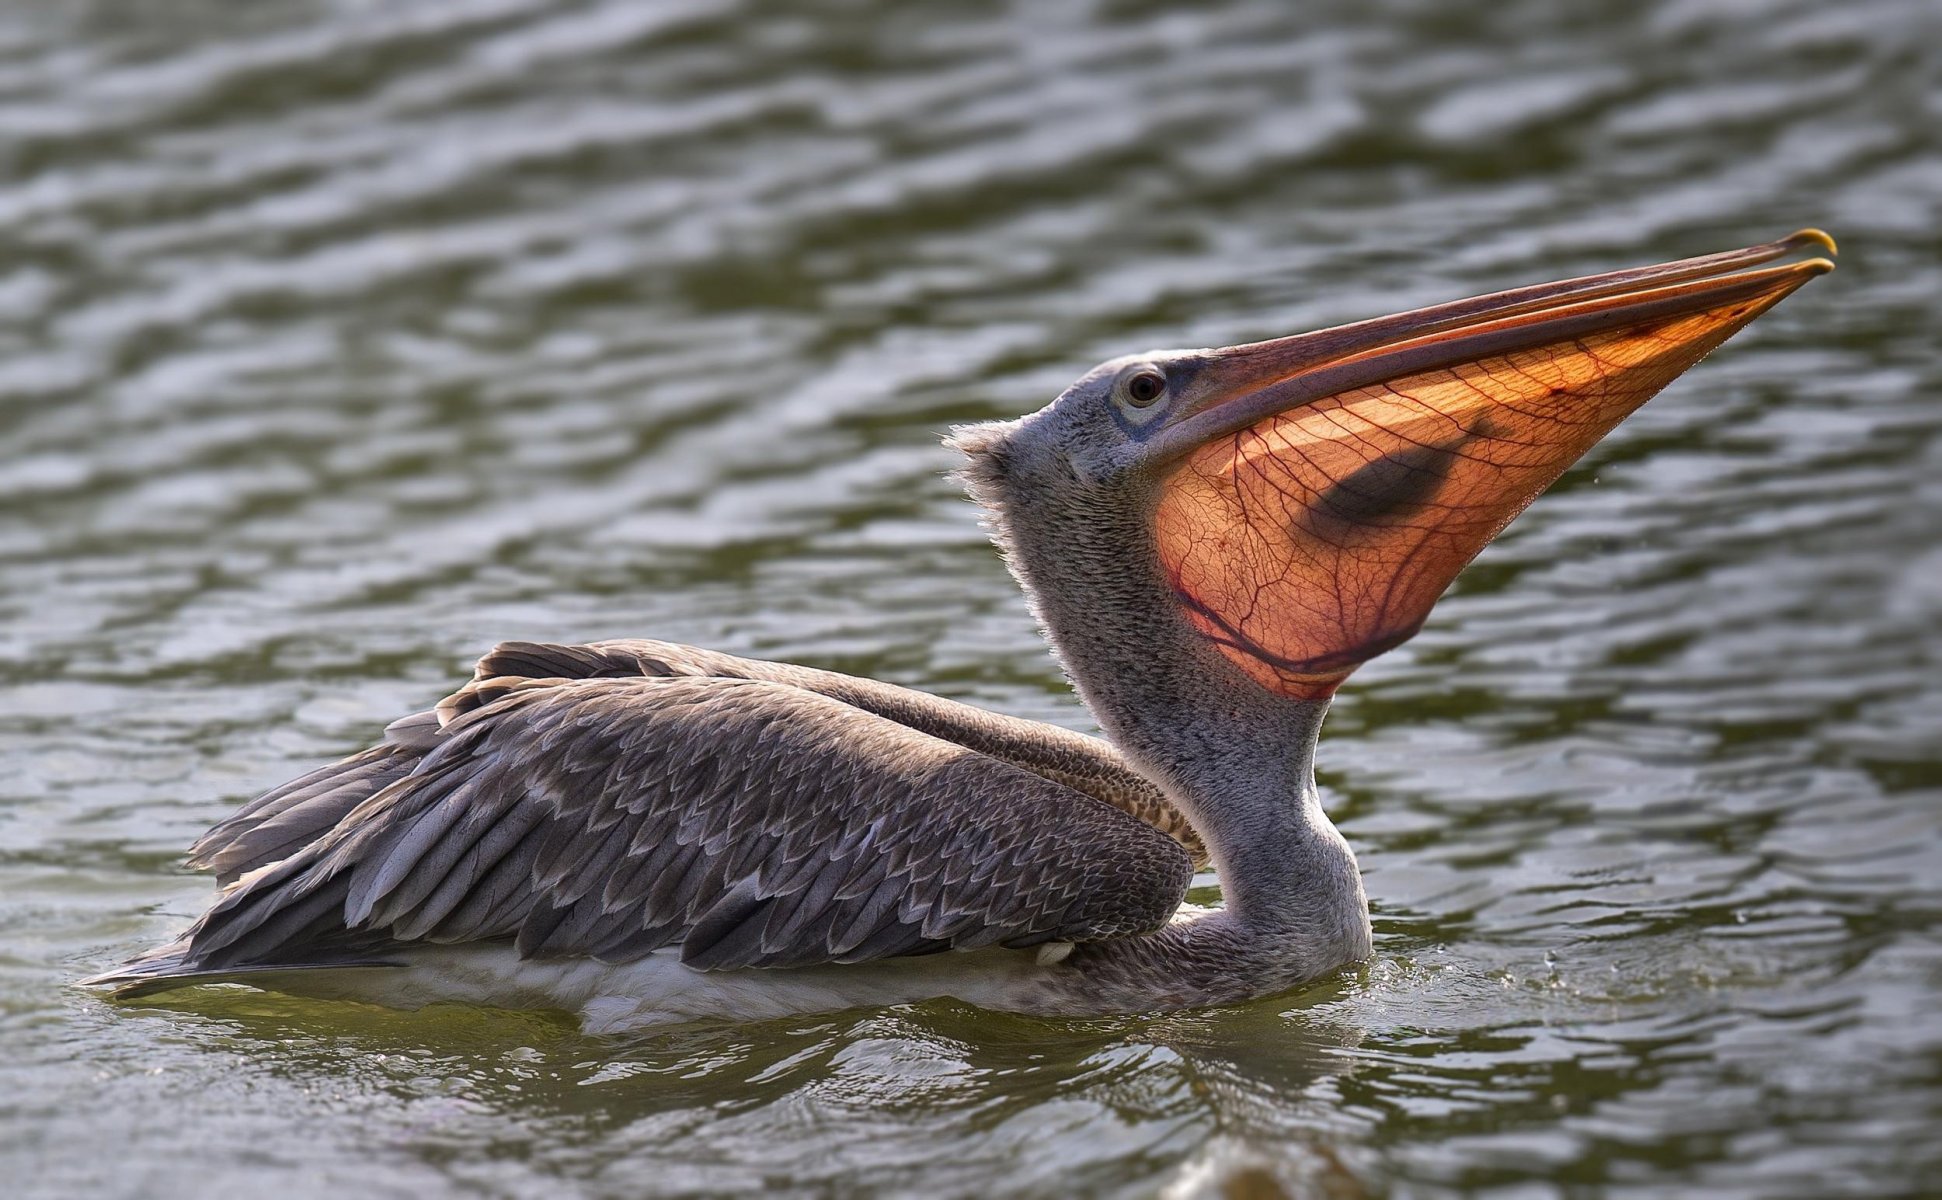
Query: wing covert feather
{"x": 752, "y": 823}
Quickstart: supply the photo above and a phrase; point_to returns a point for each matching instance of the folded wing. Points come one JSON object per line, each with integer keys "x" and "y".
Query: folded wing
{"x": 748, "y": 822}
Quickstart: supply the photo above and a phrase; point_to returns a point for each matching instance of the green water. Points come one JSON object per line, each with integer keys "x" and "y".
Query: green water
{"x": 338, "y": 341}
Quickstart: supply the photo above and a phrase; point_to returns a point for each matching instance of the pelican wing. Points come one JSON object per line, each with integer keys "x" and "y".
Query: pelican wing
{"x": 275, "y": 824}
{"x": 749, "y": 822}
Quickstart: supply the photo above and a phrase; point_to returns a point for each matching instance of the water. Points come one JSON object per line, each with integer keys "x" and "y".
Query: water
{"x": 339, "y": 341}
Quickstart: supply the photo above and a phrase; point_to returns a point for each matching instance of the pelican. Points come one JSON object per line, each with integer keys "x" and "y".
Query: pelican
{"x": 1211, "y": 540}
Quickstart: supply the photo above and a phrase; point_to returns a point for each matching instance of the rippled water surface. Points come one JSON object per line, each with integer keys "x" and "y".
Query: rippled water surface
{"x": 338, "y": 341}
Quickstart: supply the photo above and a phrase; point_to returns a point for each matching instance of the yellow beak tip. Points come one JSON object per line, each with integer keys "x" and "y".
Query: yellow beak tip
{"x": 1816, "y": 237}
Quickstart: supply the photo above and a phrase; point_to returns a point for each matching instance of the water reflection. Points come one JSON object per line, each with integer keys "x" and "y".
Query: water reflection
{"x": 942, "y": 1089}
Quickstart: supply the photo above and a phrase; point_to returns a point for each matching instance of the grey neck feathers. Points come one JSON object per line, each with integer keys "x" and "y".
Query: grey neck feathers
{"x": 1236, "y": 759}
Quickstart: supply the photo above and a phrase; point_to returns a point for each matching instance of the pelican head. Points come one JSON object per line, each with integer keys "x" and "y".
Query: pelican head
{"x": 1302, "y": 502}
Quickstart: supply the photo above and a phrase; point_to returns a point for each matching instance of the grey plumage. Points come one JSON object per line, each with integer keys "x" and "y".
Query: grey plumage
{"x": 609, "y": 800}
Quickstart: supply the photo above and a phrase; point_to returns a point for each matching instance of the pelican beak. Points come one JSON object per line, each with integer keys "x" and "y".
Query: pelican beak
{"x": 1319, "y": 492}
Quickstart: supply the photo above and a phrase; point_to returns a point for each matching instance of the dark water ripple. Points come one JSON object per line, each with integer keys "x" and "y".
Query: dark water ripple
{"x": 339, "y": 340}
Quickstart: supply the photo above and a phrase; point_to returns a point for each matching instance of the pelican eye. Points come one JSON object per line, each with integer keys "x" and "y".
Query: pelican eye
{"x": 1140, "y": 394}
{"x": 1145, "y": 388}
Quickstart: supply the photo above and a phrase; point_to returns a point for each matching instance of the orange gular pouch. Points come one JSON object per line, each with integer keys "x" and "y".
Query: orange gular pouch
{"x": 1320, "y": 536}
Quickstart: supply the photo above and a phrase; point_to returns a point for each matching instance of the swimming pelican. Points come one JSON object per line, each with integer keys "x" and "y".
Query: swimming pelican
{"x": 1211, "y": 540}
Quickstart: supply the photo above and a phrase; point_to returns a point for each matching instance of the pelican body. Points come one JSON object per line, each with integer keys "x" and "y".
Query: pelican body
{"x": 1211, "y": 540}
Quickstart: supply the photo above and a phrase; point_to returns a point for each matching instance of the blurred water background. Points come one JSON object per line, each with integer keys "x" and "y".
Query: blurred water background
{"x": 340, "y": 340}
